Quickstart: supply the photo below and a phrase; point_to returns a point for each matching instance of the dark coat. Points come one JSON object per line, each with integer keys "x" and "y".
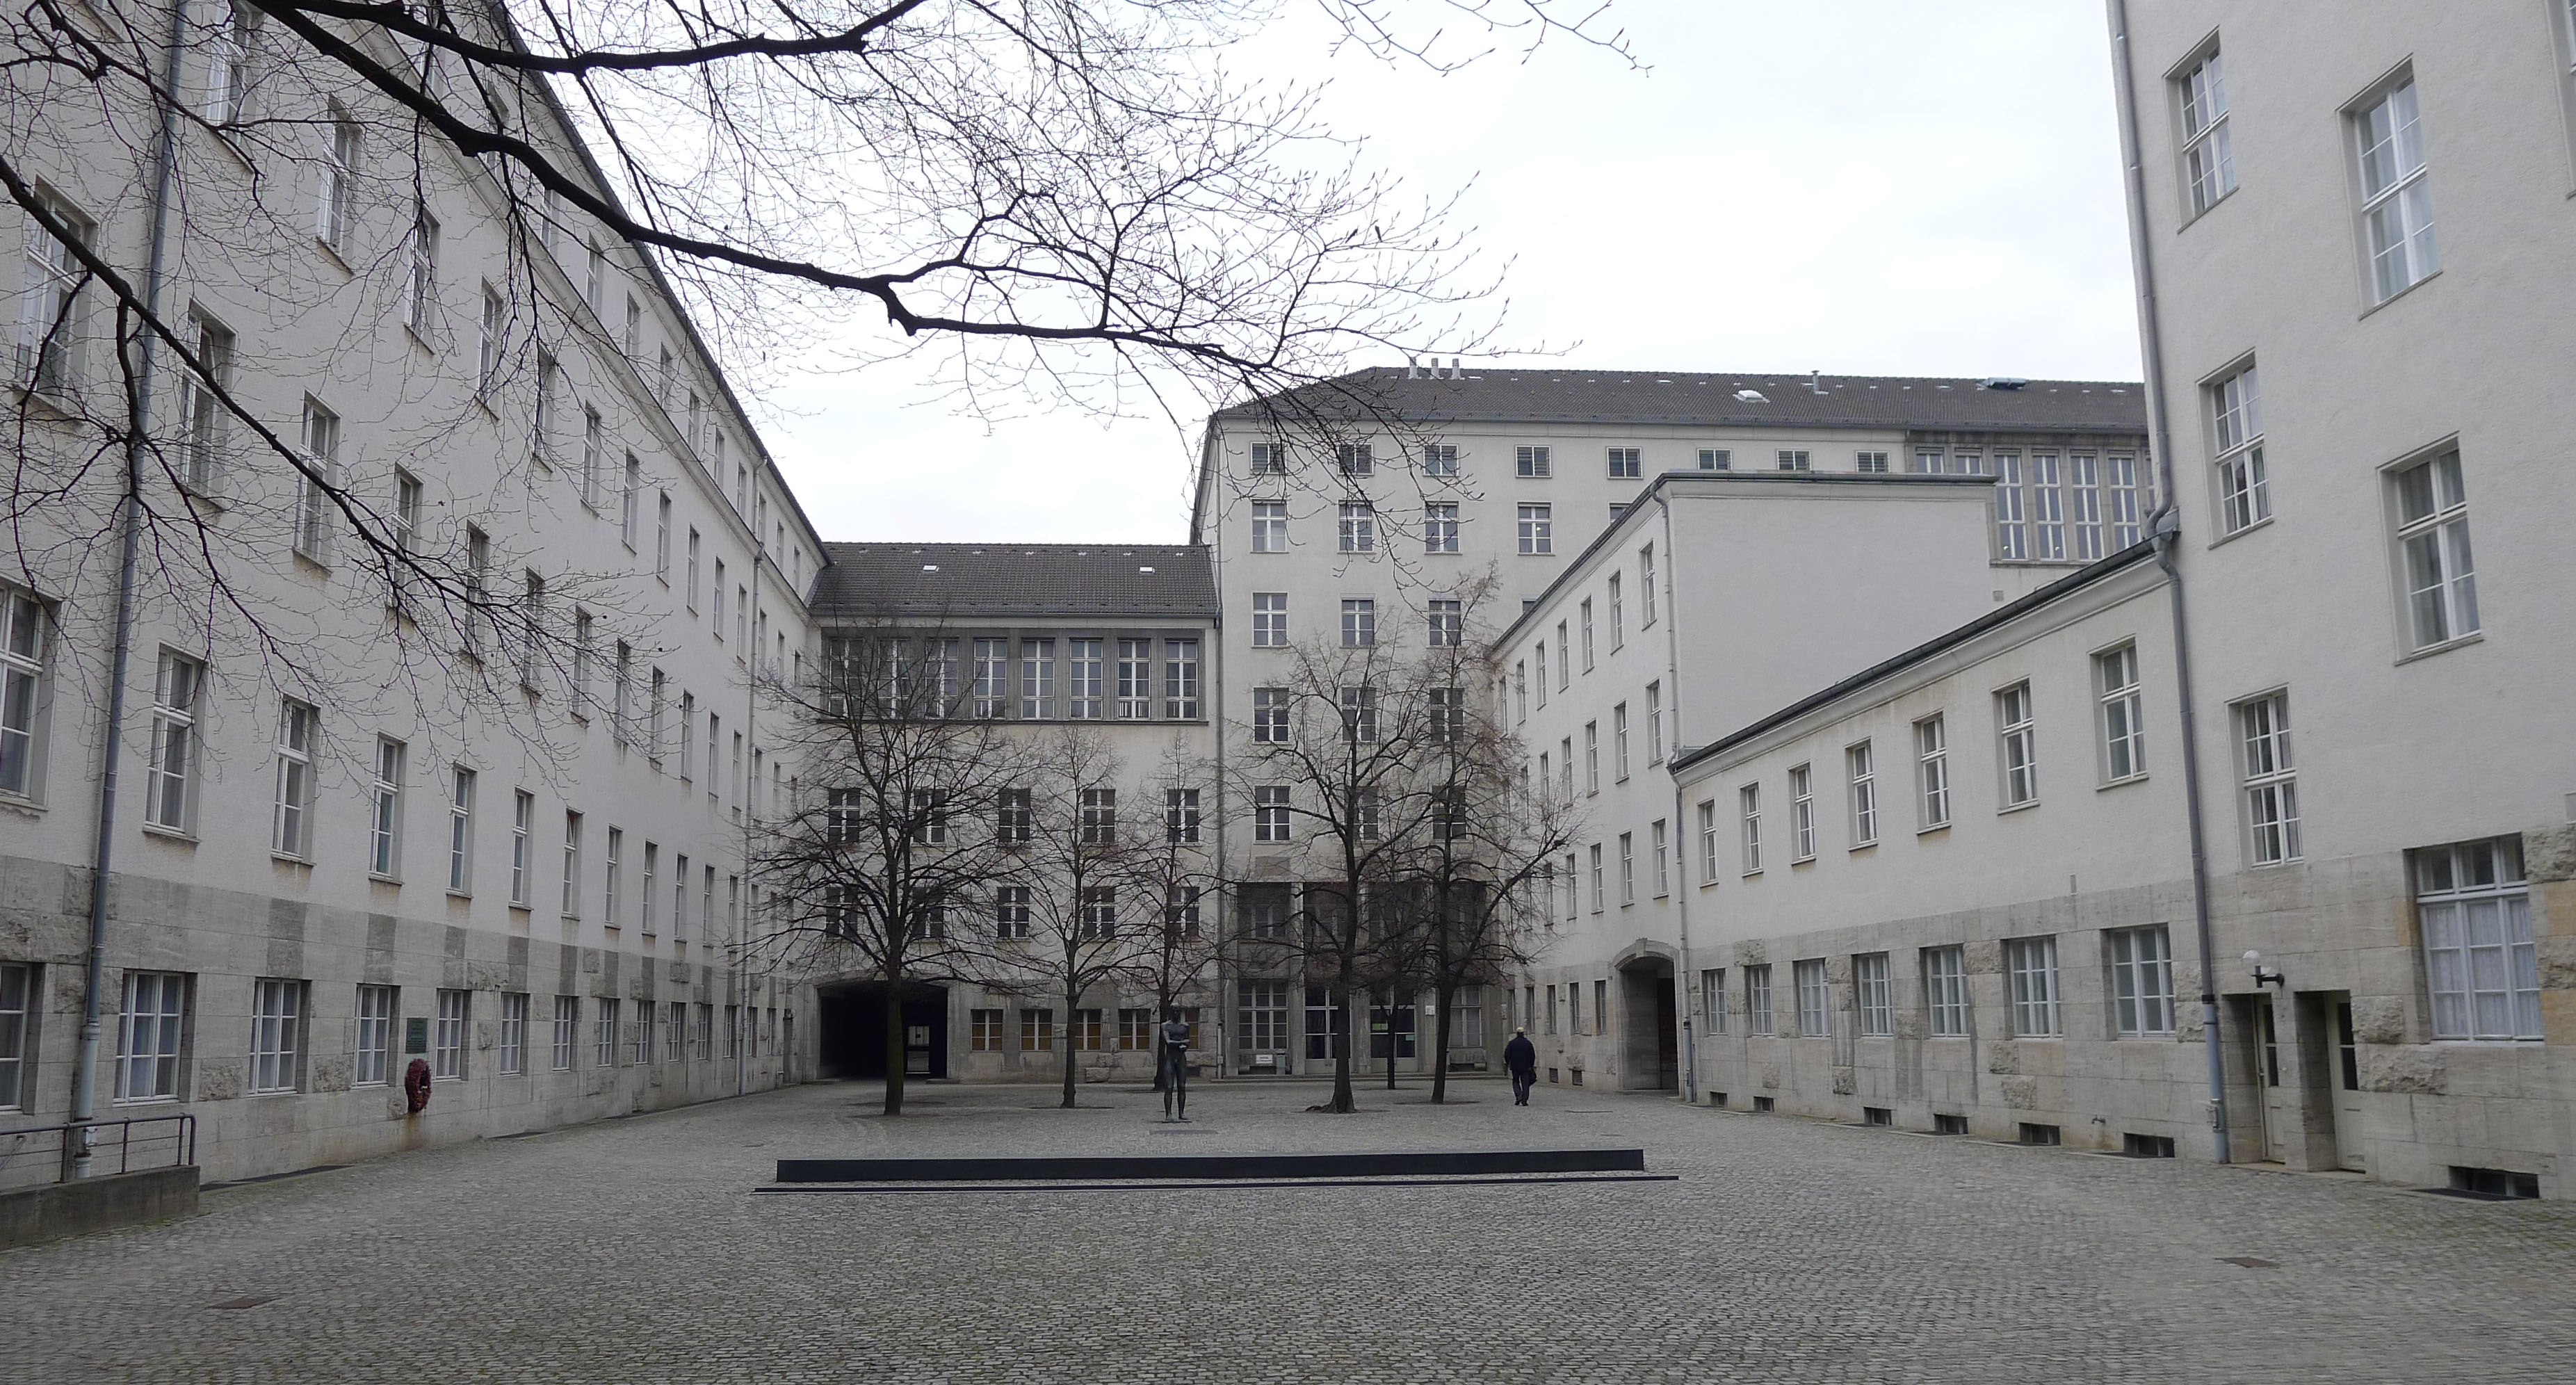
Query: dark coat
{"x": 1520, "y": 1055}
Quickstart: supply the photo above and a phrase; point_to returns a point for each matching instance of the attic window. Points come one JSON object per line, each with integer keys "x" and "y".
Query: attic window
{"x": 1146, "y": 571}
{"x": 930, "y": 567}
{"x": 1750, "y": 397}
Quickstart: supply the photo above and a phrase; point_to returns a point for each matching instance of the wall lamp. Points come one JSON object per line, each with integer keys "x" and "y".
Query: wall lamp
{"x": 2266, "y": 976}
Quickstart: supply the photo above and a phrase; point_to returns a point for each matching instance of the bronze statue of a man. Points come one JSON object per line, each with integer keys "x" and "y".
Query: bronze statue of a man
{"x": 1175, "y": 1063}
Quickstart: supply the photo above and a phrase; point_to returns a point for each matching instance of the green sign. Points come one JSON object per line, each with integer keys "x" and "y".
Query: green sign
{"x": 415, "y": 1036}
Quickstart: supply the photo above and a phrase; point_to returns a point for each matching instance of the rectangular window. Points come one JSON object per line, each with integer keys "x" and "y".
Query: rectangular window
{"x": 1863, "y": 776}
{"x": 1619, "y": 741}
{"x": 2270, "y": 778}
{"x": 514, "y": 1033}
{"x": 2012, "y": 526}
{"x": 276, "y": 1035}
{"x": 1591, "y": 757}
{"x": 984, "y": 1031}
{"x": 1585, "y": 612}
{"x": 1037, "y": 680}
{"x": 1626, "y": 463}
{"x": 1627, "y": 869}
{"x": 1802, "y": 813}
{"x": 1716, "y": 459}
{"x": 1358, "y": 527}
{"x": 2032, "y": 965}
{"x": 1181, "y": 679}
{"x": 1270, "y": 813}
{"x": 1098, "y": 920}
{"x": 2084, "y": 506}
{"x": 1359, "y": 623}
{"x": 643, "y": 1033}
{"x": 460, "y": 830}
{"x": 1663, "y": 860}
{"x": 171, "y": 778}
{"x": 1270, "y": 716}
{"x": 1793, "y": 460}
{"x": 594, "y": 459}
{"x": 567, "y": 1031}
{"x": 384, "y": 812}
{"x": 2397, "y": 197}
{"x": 707, "y": 1031}
{"x": 1448, "y": 622}
{"x": 447, "y": 1045}
{"x": 1708, "y": 842}
{"x": 1083, "y": 679}
{"x": 318, "y": 473}
{"x": 1749, "y": 805}
{"x": 1354, "y": 459}
{"x": 1654, "y": 723}
{"x": 1181, "y": 815}
{"x": 1135, "y": 680}
{"x": 1099, "y": 816}
{"x": 2480, "y": 965}
{"x": 1712, "y": 999}
{"x": 1269, "y": 620}
{"x": 1440, "y": 527}
{"x": 1269, "y": 459}
{"x": 2016, "y": 746}
{"x": 1535, "y": 530}
{"x": 572, "y": 865}
{"x": 336, "y": 206}
{"x": 2141, "y": 981}
{"x": 1757, "y": 1001}
{"x": 1932, "y": 772}
{"x": 2236, "y": 423}
{"x": 291, "y": 818}
{"x": 373, "y": 1033}
{"x": 662, "y": 535}
{"x": 1870, "y": 463}
{"x": 604, "y": 1032}
{"x": 420, "y": 276}
{"x": 1270, "y": 526}
{"x": 1440, "y": 459}
{"x": 149, "y": 1035}
{"x": 675, "y": 1031}
{"x": 1874, "y": 989}
{"x": 645, "y": 895}
{"x": 2124, "y": 740}
{"x": 1037, "y": 1031}
{"x": 613, "y": 866}
{"x": 2433, "y": 552}
{"x": 1945, "y": 991}
{"x": 1011, "y": 912}
{"x": 1599, "y": 898}
{"x": 1815, "y": 1011}
{"x": 202, "y": 420}
{"x": 1531, "y": 462}
{"x": 989, "y": 679}
{"x": 2208, "y": 156}
{"x": 2047, "y": 509}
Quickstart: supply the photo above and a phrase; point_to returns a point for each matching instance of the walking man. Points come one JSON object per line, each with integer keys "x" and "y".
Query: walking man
{"x": 1521, "y": 1056}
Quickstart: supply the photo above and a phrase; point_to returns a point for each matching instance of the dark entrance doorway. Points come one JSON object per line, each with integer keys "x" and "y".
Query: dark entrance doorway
{"x": 852, "y": 1033}
{"x": 1650, "y": 1037}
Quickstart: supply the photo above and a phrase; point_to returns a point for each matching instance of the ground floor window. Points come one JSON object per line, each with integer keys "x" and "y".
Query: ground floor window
{"x": 447, "y": 1050}
{"x": 1037, "y": 1031}
{"x": 17, "y": 999}
{"x": 1467, "y": 1018}
{"x": 1392, "y": 1028}
{"x": 514, "y": 1033}
{"x": 1087, "y": 1036}
{"x": 2480, "y": 965}
{"x": 147, "y": 1045}
{"x": 1264, "y": 1015}
{"x": 2141, "y": 980}
{"x": 567, "y": 1031}
{"x": 984, "y": 1031}
{"x": 1135, "y": 1029}
{"x": 1324, "y": 1024}
{"x": 606, "y": 1046}
{"x": 277, "y": 1035}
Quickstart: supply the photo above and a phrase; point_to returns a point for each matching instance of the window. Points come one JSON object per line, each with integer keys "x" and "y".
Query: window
{"x": 2015, "y": 744}
{"x": 1870, "y": 463}
{"x": 1358, "y": 527}
{"x": 2012, "y": 528}
{"x": 1591, "y": 757}
{"x": 1945, "y": 991}
{"x": 420, "y": 278}
{"x": 291, "y": 820}
{"x": 567, "y": 1030}
{"x": 1815, "y": 1019}
{"x": 595, "y": 279}
{"x": 374, "y": 1037}
{"x": 1599, "y": 897}
{"x": 1757, "y": 1000}
{"x": 170, "y": 796}
{"x": 2433, "y": 552}
{"x": 572, "y": 865}
{"x": 1011, "y": 912}
{"x": 2208, "y": 157}
{"x": 1802, "y": 814}
{"x": 2032, "y": 965}
{"x": 1269, "y": 459}
{"x": 1749, "y": 803}
{"x": 1270, "y": 526}
{"x": 384, "y": 812}
{"x": 447, "y": 1045}
{"x": 1083, "y": 679}
{"x": 1099, "y": 816}
{"x": 1712, "y": 999}
{"x": 1269, "y": 620}
{"x": 1864, "y": 794}
{"x": 1564, "y": 661}
{"x": 1618, "y": 619}
{"x": 1181, "y": 679}
{"x": 643, "y": 1034}
{"x": 1625, "y": 463}
{"x": 202, "y": 419}
{"x": 707, "y": 1030}
{"x": 1932, "y": 772}
{"x": 2479, "y": 962}
{"x": 613, "y": 861}
{"x": 228, "y": 71}
{"x": 1359, "y": 623}
{"x": 1716, "y": 459}
{"x": 989, "y": 679}
{"x": 1180, "y": 815}
{"x": 1619, "y": 741}
{"x": 148, "y": 1035}
{"x": 661, "y": 529}
{"x": 1037, "y": 1031}
{"x": 1654, "y": 723}
{"x": 2270, "y": 779}
{"x": 1098, "y": 921}
{"x": 1876, "y": 995}
{"x": 1531, "y": 462}
{"x": 460, "y": 830}
{"x": 1440, "y": 527}
{"x": 1585, "y": 611}
{"x": 1534, "y": 530}
{"x": 2397, "y": 198}
{"x": 675, "y": 1030}
{"x": 928, "y": 809}
{"x": 2124, "y": 744}
{"x": 1353, "y": 458}
{"x": 1792, "y": 460}
{"x": 2141, "y": 981}
{"x": 1037, "y": 679}
{"x": 541, "y": 411}
{"x": 1539, "y": 652}
{"x": 984, "y": 1031}
{"x": 1646, "y": 586}
{"x": 1708, "y": 842}
{"x": 276, "y": 1035}
{"x": 2244, "y": 490}
{"x": 319, "y": 472}
{"x": 1448, "y": 622}
{"x": 1627, "y": 869}
{"x": 1440, "y": 459}
{"x": 604, "y": 1032}
{"x": 645, "y": 896}
{"x": 1270, "y": 716}
{"x": 1265, "y": 912}
{"x": 336, "y": 207}
{"x": 1270, "y": 813}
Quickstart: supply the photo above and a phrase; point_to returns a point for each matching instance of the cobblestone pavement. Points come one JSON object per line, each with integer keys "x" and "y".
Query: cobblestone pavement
{"x": 636, "y": 1250}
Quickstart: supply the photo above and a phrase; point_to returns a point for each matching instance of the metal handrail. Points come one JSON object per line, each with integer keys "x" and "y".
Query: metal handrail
{"x": 183, "y": 1142}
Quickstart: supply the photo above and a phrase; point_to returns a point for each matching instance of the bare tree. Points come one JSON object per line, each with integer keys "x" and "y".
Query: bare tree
{"x": 1173, "y": 867}
{"x": 908, "y": 823}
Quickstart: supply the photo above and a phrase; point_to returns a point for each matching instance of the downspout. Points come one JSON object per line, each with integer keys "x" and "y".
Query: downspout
{"x": 1672, "y": 749}
{"x": 750, "y": 796}
{"x": 76, "y": 1145}
{"x": 2165, "y": 528}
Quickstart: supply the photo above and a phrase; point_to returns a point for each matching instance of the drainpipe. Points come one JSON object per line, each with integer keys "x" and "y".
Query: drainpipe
{"x": 76, "y": 1146}
{"x": 2165, "y": 526}
{"x": 750, "y": 796}
{"x": 1681, "y": 896}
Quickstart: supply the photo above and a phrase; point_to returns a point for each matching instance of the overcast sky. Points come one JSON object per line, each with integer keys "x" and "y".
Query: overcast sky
{"x": 1853, "y": 186}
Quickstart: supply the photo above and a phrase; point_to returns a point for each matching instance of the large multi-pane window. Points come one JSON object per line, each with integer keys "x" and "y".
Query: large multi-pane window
{"x": 1712, "y": 999}
{"x": 2141, "y": 981}
{"x": 1863, "y": 776}
{"x": 1814, "y": 1004}
{"x": 460, "y": 831}
{"x": 1181, "y": 815}
{"x": 1448, "y": 622}
{"x": 1945, "y": 991}
{"x": 604, "y": 1051}
{"x": 514, "y": 1033}
{"x": 1270, "y": 716}
{"x": 1083, "y": 678}
{"x": 1802, "y": 813}
{"x": 447, "y": 1040}
{"x": 1708, "y": 842}
{"x": 2031, "y": 964}
{"x": 1270, "y": 813}
{"x": 384, "y": 812}
{"x": 1270, "y": 526}
{"x": 2397, "y": 197}
{"x": 572, "y": 865}
{"x": 1135, "y": 680}
{"x": 1359, "y": 713}
{"x": 1358, "y": 530}
{"x": 1037, "y": 679}
{"x": 171, "y": 778}
{"x": 1531, "y": 461}
{"x": 1099, "y": 816}
{"x": 17, "y": 1000}
{"x": 2270, "y": 778}
{"x": 1181, "y": 679}
{"x": 1440, "y": 527}
{"x": 2208, "y": 155}
{"x": 1536, "y": 530}
{"x": 2480, "y": 965}
{"x": 374, "y": 1034}
{"x": 23, "y": 651}
{"x": 567, "y": 1032}
{"x": 202, "y": 420}
{"x": 1269, "y": 620}
{"x": 1037, "y": 1031}
{"x": 420, "y": 276}
{"x": 277, "y": 1035}
{"x": 315, "y": 479}
{"x": 337, "y": 204}
{"x": 1269, "y": 459}
{"x": 988, "y": 685}
{"x": 2016, "y": 745}
{"x": 2124, "y": 739}
{"x": 1757, "y": 1000}
{"x": 2433, "y": 552}
{"x": 1932, "y": 772}
{"x": 1874, "y": 989}
{"x": 1749, "y": 814}
{"x": 2236, "y": 428}
{"x": 2012, "y": 526}
{"x": 291, "y": 816}
{"x": 50, "y": 312}
{"x": 1359, "y": 622}
{"x": 1011, "y": 912}
{"x": 148, "y": 1035}
{"x": 1440, "y": 459}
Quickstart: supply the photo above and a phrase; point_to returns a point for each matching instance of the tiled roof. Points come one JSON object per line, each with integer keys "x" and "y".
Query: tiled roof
{"x": 980, "y": 580}
{"x": 1681, "y": 398}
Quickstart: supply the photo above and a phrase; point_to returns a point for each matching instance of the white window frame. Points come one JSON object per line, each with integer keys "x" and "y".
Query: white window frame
{"x": 2437, "y": 575}
{"x": 1748, "y": 803}
{"x": 1712, "y": 999}
{"x": 565, "y": 1048}
{"x": 291, "y": 813}
{"x": 385, "y": 811}
{"x": 1657, "y": 835}
{"x": 314, "y": 482}
{"x": 1707, "y": 842}
{"x": 1440, "y": 526}
{"x": 1861, "y": 774}
{"x": 1947, "y": 1013}
{"x": 2120, "y": 699}
{"x": 2030, "y": 965}
{"x": 372, "y": 1036}
{"x": 2268, "y": 776}
{"x": 1359, "y": 622}
{"x": 523, "y": 824}
{"x": 1874, "y": 991}
{"x": 151, "y": 1036}
{"x": 2142, "y": 998}
{"x": 1932, "y": 772}
{"x": 1533, "y": 463}
{"x": 513, "y": 1057}
{"x": 1537, "y": 530}
{"x": 1802, "y": 813}
{"x": 2396, "y": 190}
{"x": 2236, "y": 435}
{"x": 1758, "y": 1018}
{"x": 1446, "y": 618}
{"x": 1358, "y": 527}
{"x": 2481, "y": 967}
{"x": 170, "y": 801}
{"x": 277, "y": 1035}
{"x": 460, "y": 830}
{"x": 2016, "y": 746}
{"x": 447, "y": 1035}
{"x": 1814, "y": 998}
{"x": 2208, "y": 153}
{"x": 1270, "y": 526}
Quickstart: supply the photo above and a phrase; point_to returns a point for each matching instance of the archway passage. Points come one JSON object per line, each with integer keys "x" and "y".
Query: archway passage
{"x": 1650, "y": 1050}
{"x": 852, "y": 1029}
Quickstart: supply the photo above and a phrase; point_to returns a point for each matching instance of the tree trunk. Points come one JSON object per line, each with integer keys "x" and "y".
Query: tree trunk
{"x": 1343, "y": 1100}
{"x": 894, "y": 1044}
{"x": 1071, "y": 996}
{"x": 1440, "y": 1046}
{"x": 1391, "y": 994}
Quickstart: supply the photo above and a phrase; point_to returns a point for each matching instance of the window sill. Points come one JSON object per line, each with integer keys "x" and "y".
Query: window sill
{"x": 2194, "y": 219}
{"x": 143, "y": 1101}
{"x": 1859, "y": 847}
{"x": 289, "y": 858}
{"x": 1797, "y": 861}
{"x": 2010, "y": 809}
{"x": 2233, "y": 535}
{"x": 21, "y": 805}
{"x": 170, "y": 834}
{"x": 374, "y": 879}
{"x": 2109, "y": 784}
{"x": 1931, "y": 830}
{"x": 1751, "y": 874}
{"x": 517, "y": 908}
{"x": 465, "y": 895}
{"x": 2401, "y": 293}
{"x": 2445, "y": 647}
